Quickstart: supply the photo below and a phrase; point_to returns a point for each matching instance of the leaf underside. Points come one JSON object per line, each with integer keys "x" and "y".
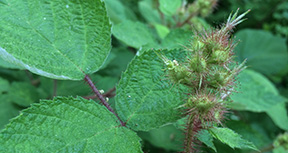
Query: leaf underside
{"x": 57, "y": 39}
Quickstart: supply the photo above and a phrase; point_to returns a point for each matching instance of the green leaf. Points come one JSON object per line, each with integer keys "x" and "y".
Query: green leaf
{"x": 167, "y": 137}
{"x": 133, "y": 34}
{"x": 278, "y": 114}
{"x": 61, "y": 40}
{"x": 253, "y": 135}
{"x": 255, "y": 93}
{"x": 169, "y": 7}
{"x": 205, "y": 137}
{"x": 145, "y": 99}
{"x": 68, "y": 125}
{"x": 231, "y": 138}
{"x": 117, "y": 12}
{"x": 262, "y": 50}
{"x": 150, "y": 14}
{"x": 162, "y": 30}
{"x": 177, "y": 38}
{"x": 8, "y": 110}
{"x": 23, "y": 93}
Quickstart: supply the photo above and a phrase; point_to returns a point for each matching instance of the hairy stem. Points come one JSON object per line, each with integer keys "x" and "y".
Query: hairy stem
{"x": 101, "y": 98}
{"x": 193, "y": 127}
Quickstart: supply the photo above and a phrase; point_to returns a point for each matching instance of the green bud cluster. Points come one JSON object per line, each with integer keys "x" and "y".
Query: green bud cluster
{"x": 209, "y": 71}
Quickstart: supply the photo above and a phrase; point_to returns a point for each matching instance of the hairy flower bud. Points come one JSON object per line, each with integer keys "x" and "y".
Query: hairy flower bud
{"x": 198, "y": 64}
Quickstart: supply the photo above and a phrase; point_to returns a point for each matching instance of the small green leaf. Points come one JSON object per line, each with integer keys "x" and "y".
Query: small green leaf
{"x": 145, "y": 99}
{"x": 68, "y": 125}
{"x": 133, "y": 34}
{"x": 162, "y": 30}
{"x": 256, "y": 93}
{"x": 262, "y": 50}
{"x": 169, "y": 7}
{"x": 205, "y": 137}
{"x": 278, "y": 114}
{"x": 167, "y": 137}
{"x": 231, "y": 138}
{"x": 249, "y": 132}
{"x": 61, "y": 40}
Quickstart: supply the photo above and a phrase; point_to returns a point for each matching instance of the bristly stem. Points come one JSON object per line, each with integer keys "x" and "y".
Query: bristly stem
{"x": 101, "y": 98}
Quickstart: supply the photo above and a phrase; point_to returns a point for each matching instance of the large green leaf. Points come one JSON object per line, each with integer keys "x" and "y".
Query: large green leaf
{"x": 135, "y": 34}
{"x": 256, "y": 93}
{"x": 231, "y": 138}
{"x": 61, "y": 40}
{"x": 145, "y": 99}
{"x": 265, "y": 53}
{"x": 67, "y": 125}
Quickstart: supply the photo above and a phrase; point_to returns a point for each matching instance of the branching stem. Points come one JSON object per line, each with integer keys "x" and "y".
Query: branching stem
{"x": 101, "y": 98}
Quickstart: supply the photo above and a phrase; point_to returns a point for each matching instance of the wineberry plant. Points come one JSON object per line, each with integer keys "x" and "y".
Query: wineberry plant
{"x": 138, "y": 76}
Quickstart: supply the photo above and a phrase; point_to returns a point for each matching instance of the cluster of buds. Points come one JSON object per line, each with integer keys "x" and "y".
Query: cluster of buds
{"x": 209, "y": 71}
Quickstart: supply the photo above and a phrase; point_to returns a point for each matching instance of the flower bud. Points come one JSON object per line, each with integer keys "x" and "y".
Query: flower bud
{"x": 201, "y": 103}
{"x": 219, "y": 79}
{"x": 197, "y": 64}
{"x": 178, "y": 73}
{"x": 219, "y": 56}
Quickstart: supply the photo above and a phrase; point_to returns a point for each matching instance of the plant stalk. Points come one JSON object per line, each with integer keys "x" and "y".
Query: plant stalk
{"x": 101, "y": 98}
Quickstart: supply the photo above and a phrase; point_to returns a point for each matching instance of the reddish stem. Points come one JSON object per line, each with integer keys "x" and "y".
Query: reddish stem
{"x": 101, "y": 98}
{"x": 108, "y": 94}
{"x": 194, "y": 125}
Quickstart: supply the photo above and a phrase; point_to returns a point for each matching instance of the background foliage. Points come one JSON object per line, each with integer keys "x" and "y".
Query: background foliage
{"x": 258, "y": 113}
